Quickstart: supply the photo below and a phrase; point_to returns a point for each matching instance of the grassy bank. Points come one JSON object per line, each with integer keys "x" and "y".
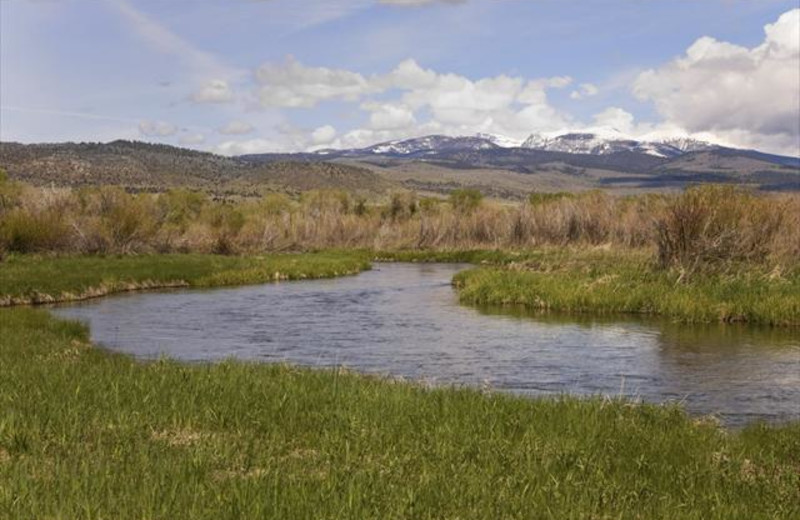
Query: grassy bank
{"x": 626, "y": 282}
{"x": 87, "y": 435}
{"x": 32, "y": 279}
{"x": 565, "y": 280}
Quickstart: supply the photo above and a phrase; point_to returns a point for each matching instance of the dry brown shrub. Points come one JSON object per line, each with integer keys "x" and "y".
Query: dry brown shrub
{"x": 712, "y": 227}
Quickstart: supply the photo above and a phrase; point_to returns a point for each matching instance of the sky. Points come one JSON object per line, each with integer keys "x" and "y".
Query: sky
{"x": 251, "y": 76}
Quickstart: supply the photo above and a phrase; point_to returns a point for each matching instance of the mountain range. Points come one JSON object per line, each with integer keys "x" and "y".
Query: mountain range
{"x": 601, "y": 141}
{"x": 434, "y": 164}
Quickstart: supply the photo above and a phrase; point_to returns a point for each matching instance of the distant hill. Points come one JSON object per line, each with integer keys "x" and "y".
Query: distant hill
{"x": 583, "y": 160}
{"x": 154, "y": 167}
{"x": 431, "y": 165}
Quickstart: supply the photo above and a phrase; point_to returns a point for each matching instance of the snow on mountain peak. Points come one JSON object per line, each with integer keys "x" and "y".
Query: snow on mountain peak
{"x": 593, "y": 141}
{"x": 500, "y": 140}
{"x": 604, "y": 140}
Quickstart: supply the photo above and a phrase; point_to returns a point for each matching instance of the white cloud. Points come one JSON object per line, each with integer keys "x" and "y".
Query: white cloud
{"x": 157, "y": 128}
{"x": 250, "y": 146}
{"x": 215, "y": 91}
{"x": 585, "y": 90}
{"x": 746, "y": 94}
{"x": 192, "y": 139}
{"x": 617, "y": 118}
{"x": 236, "y": 128}
{"x": 408, "y": 75}
{"x": 388, "y": 116}
{"x": 323, "y": 135}
{"x": 292, "y": 84}
{"x": 414, "y": 100}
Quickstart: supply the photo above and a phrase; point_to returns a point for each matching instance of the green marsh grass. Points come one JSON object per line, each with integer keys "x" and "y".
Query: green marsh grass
{"x": 85, "y": 434}
{"x": 627, "y": 282}
{"x": 35, "y": 279}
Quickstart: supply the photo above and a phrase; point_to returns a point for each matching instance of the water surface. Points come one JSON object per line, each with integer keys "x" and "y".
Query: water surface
{"x": 405, "y": 320}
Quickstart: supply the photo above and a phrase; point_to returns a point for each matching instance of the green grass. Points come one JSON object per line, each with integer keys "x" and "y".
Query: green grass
{"x": 85, "y": 434}
{"x": 32, "y": 279}
{"x": 603, "y": 282}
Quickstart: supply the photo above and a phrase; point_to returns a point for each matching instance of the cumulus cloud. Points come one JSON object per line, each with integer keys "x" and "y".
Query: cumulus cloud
{"x": 584, "y": 91}
{"x": 236, "y": 128}
{"x": 614, "y": 117}
{"x": 190, "y": 139}
{"x": 249, "y": 146}
{"x": 215, "y": 91}
{"x": 292, "y": 84}
{"x": 746, "y": 94}
{"x": 396, "y": 101}
{"x": 389, "y": 116}
{"x": 323, "y": 135}
{"x": 157, "y": 128}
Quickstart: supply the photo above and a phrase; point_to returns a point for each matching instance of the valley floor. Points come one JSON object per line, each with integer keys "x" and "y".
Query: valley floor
{"x": 89, "y": 434}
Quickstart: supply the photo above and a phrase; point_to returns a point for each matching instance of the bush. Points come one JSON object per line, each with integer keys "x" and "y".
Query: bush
{"x": 402, "y": 206}
{"x": 541, "y": 198}
{"x": 466, "y": 200}
{"x": 9, "y": 192}
{"x": 33, "y": 232}
{"x": 226, "y": 222}
{"x": 714, "y": 227}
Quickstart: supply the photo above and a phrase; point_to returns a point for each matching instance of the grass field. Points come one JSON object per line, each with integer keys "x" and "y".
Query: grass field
{"x": 34, "y": 279}
{"x": 85, "y": 434}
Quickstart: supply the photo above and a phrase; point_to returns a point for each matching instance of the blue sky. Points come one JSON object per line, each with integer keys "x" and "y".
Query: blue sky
{"x": 237, "y": 76}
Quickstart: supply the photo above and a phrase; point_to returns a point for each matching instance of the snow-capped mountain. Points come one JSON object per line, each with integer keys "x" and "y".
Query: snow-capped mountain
{"x": 593, "y": 141}
{"x": 611, "y": 141}
{"x": 427, "y": 145}
{"x": 687, "y": 144}
{"x": 501, "y": 140}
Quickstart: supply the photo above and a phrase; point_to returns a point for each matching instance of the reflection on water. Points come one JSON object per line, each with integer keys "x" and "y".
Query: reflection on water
{"x": 404, "y": 320}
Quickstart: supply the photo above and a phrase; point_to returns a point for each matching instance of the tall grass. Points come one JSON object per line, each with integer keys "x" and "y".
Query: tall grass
{"x": 90, "y": 435}
{"x": 719, "y": 226}
{"x": 708, "y": 226}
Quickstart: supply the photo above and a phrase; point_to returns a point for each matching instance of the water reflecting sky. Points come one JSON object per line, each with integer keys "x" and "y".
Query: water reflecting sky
{"x": 404, "y": 320}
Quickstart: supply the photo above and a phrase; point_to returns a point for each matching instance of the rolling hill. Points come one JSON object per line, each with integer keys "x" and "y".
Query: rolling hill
{"x": 431, "y": 165}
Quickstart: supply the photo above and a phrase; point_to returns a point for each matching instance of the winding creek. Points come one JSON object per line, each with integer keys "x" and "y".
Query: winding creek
{"x": 405, "y": 320}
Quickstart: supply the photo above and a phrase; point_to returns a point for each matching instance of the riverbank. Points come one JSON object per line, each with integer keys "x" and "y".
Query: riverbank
{"x": 89, "y": 434}
{"x": 626, "y": 282}
{"x": 565, "y": 280}
{"x": 39, "y": 279}
{"x": 602, "y": 281}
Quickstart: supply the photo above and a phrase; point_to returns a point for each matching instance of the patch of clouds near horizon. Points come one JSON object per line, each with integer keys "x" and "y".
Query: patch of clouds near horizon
{"x": 727, "y": 93}
{"x": 453, "y": 104}
{"x": 250, "y": 146}
{"x": 323, "y": 135}
{"x": 747, "y": 96}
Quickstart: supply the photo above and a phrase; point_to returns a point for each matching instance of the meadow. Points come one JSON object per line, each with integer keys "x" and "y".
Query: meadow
{"x": 86, "y": 434}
